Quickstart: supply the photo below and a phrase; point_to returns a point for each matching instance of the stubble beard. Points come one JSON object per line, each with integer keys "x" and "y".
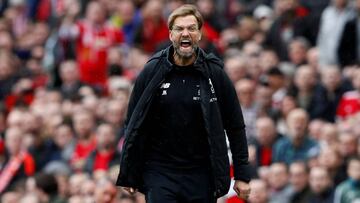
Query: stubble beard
{"x": 182, "y": 54}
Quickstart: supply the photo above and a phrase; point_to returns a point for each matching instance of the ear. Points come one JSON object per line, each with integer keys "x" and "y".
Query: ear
{"x": 200, "y": 37}
{"x": 170, "y": 35}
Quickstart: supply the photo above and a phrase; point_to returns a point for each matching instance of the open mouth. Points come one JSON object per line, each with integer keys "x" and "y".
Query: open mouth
{"x": 185, "y": 43}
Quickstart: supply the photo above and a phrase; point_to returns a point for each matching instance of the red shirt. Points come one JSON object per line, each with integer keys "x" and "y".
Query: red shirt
{"x": 266, "y": 155}
{"x": 91, "y": 46}
{"x": 349, "y": 104}
{"x": 82, "y": 150}
{"x": 153, "y": 34}
{"x": 102, "y": 160}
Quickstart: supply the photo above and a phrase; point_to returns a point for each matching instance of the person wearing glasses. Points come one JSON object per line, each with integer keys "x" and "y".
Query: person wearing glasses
{"x": 182, "y": 107}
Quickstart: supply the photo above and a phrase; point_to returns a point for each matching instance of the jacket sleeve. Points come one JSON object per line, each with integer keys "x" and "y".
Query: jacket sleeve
{"x": 234, "y": 126}
{"x": 138, "y": 89}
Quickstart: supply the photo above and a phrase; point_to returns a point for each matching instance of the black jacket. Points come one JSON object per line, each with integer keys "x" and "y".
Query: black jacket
{"x": 347, "y": 51}
{"x": 221, "y": 112}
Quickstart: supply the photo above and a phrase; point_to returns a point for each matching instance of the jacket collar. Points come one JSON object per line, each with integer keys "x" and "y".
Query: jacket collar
{"x": 199, "y": 63}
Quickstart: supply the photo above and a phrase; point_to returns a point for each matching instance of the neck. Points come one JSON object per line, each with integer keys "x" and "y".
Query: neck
{"x": 105, "y": 150}
{"x": 297, "y": 141}
{"x": 184, "y": 61}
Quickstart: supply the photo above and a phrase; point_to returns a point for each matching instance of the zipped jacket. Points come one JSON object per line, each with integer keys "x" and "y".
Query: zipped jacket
{"x": 221, "y": 113}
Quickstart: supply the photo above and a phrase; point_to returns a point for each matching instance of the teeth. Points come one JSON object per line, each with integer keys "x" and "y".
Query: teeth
{"x": 185, "y": 41}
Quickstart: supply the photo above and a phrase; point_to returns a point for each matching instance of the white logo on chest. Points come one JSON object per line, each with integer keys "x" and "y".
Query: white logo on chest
{"x": 165, "y": 86}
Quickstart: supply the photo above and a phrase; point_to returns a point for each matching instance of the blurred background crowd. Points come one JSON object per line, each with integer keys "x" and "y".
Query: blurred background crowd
{"x": 67, "y": 69}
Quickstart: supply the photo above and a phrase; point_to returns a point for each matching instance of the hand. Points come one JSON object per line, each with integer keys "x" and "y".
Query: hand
{"x": 130, "y": 190}
{"x": 242, "y": 189}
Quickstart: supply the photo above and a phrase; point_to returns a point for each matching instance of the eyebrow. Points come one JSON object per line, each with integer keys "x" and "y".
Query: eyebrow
{"x": 185, "y": 26}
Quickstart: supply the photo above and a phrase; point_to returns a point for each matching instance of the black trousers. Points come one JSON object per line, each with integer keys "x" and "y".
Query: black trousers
{"x": 166, "y": 186}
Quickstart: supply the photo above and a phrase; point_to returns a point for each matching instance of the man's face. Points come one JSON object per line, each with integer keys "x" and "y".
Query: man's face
{"x": 278, "y": 176}
{"x": 354, "y": 170}
{"x": 185, "y": 36}
{"x": 319, "y": 180}
{"x": 298, "y": 176}
{"x": 297, "y": 124}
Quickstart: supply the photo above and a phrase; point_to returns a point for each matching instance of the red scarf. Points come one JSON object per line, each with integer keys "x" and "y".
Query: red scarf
{"x": 10, "y": 170}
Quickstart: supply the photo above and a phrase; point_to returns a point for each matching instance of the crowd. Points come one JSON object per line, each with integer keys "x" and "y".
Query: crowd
{"x": 67, "y": 69}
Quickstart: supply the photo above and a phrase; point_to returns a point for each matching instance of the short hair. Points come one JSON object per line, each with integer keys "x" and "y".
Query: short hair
{"x": 47, "y": 183}
{"x": 185, "y": 10}
{"x": 354, "y": 158}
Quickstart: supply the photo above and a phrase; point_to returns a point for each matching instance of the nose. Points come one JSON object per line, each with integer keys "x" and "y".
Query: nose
{"x": 185, "y": 32}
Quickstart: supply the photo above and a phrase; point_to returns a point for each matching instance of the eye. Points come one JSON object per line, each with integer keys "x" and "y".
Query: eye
{"x": 192, "y": 29}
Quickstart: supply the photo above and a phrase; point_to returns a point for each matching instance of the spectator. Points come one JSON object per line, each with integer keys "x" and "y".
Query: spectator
{"x": 152, "y": 31}
{"x": 276, "y": 81}
{"x": 329, "y": 135}
{"x": 298, "y": 48}
{"x": 321, "y": 186}
{"x": 332, "y": 24}
{"x": 348, "y": 143}
{"x": 264, "y": 99}
{"x": 64, "y": 140}
{"x": 106, "y": 191}
{"x": 328, "y": 94}
{"x": 296, "y": 145}
{"x": 280, "y": 192}
{"x": 235, "y": 67}
{"x": 42, "y": 149}
{"x": 252, "y": 51}
{"x": 115, "y": 112}
{"x": 93, "y": 38}
{"x": 349, "y": 102}
{"x": 284, "y": 28}
{"x": 105, "y": 154}
{"x": 299, "y": 177}
{"x": 303, "y": 88}
{"x": 259, "y": 191}
{"x": 286, "y": 106}
{"x": 247, "y": 28}
{"x": 331, "y": 159}
{"x": 18, "y": 163}
{"x": 315, "y": 128}
{"x": 70, "y": 81}
{"x": 348, "y": 50}
{"x": 245, "y": 89}
{"x": 84, "y": 124}
{"x": 312, "y": 58}
{"x": 47, "y": 188}
{"x": 127, "y": 17}
{"x": 349, "y": 190}
{"x": 76, "y": 182}
{"x": 266, "y": 136}
{"x": 8, "y": 77}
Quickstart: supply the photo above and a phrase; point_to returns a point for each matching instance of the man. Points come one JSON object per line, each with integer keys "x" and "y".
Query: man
{"x": 279, "y": 188}
{"x": 181, "y": 106}
{"x": 259, "y": 193}
{"x": 245, "y": 89}
{"x": 321, "y": 185}
{"x": 18, "y": 163}
{"x": 93, "y": 38}
{"x": 105, "y": 191}
{"x": 46, "y": 188}
{"x": 331, "y": 27}
{"x": 266, "y": 137}
{"x": 296, "y": 145}
{"x": 349, "y": 190}
{"x": 299, "y": 176}
{"x": 105, "y": 155}
{"x": 349, "y": 104}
